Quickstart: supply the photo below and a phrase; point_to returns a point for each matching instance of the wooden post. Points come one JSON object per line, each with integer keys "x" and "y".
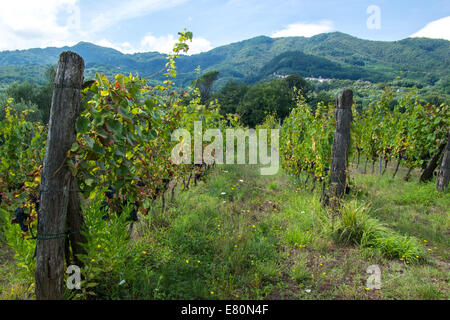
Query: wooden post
{"x": 75, "y": 224}
{"x": 340, "y": 148}
{"x": 56, "y": 178}
{"x": 427, "y": 174}
{"x": 443, "y": 177}
{"x": 380, "y": 165}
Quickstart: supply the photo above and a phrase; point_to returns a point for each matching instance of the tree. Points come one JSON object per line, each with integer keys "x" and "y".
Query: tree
{"x": 301, "y": 84}
{"x": 231, "y": 95}
{"x": 272, "y": 97}
{"x": 205, "y": 83}
{"x": 31, "y": 93}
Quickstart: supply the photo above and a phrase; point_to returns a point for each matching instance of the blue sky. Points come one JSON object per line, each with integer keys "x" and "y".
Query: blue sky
{"x": 152, "y": 25}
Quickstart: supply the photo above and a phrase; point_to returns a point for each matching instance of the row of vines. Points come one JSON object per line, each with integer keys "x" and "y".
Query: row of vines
{"x": 406, "y": 131}
{"x": 121, "y": 156}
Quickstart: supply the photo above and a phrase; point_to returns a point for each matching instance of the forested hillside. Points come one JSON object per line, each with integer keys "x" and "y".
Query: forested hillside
{"x": 334, "y": 55}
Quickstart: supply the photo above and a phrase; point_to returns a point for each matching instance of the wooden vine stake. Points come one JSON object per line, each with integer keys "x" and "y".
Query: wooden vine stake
{"x": 56, "y": 178}
{"x": 443, "y": 177}
{"x": 340, "y": 148}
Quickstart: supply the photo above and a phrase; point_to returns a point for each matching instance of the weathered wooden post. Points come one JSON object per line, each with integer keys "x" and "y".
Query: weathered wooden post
{"x": 443, "y": 177}
{"x": 427, "y": 174}
{"x": 341, "y": 146}
{"x": 75, "y": 223}
{"x": 56, "y": 178}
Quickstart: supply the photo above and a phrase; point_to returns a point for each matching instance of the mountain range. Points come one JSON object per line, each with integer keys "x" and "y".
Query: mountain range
{"x": 329, "y": 55}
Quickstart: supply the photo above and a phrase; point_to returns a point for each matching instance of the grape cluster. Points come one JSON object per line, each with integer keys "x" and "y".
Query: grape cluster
{"x": 105, "y": 206}
{"x": 21, "y": 218}
{"x": 16, "y": 186}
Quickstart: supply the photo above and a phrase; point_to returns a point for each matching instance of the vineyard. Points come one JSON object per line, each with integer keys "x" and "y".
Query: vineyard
{"x": 108, "y": 198}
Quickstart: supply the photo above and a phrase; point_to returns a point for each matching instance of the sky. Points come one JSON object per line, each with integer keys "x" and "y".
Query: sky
{"x": 152, "y": 25}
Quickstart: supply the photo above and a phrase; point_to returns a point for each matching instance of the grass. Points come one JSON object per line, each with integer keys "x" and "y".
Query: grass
{"x": 239, "y": 235}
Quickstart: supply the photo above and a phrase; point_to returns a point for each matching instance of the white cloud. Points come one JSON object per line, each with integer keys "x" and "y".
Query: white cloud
{"x": 164, "y": 44}
{"x": 304, "y": 29}
{"x": 111, "y": 15}
{"x": 124, "y": 47}
{"x": 41, "y": 23}
{"x": 25, "y": 23}
{"x": 438, "y": 29}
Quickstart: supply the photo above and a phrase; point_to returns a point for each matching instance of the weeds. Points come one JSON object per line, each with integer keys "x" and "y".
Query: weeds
{"x": 239, "y": 235}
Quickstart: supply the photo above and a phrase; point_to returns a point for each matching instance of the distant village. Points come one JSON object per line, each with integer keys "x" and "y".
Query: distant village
{"x": 319, "y": 79}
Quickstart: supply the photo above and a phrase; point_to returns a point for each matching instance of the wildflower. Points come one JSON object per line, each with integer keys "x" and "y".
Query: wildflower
{"x": 429, "y": 249}
{"x": 99, "y": 246}
{"x": 324, "y": 273}
{"x": 308, "y": 290}
{"x": 253, "y": 226}
{"x": 198, "y": 261}
{"x": 223, "y": 193}
{"x": 235, "y": 245}
{"x": 187, "y": 261}
{"x": 425, "y": 241}
{"x": 367, "y": 289}
{"x": 240, "y": 180}
{"x": 212, "y": 292}
{"x": 93, "y": 260}
{"x": 144, "y": 252}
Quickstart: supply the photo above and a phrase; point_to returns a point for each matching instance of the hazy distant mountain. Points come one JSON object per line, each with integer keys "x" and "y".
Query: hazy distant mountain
{"x": 332, "y": 55}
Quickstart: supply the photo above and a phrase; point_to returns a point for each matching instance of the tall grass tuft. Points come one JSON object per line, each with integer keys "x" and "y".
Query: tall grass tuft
{"x": 356, "y": 226}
